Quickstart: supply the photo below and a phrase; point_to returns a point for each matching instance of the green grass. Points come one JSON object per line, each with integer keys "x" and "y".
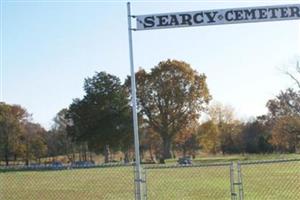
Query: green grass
{"x": 238, "y": 157}
{"x": 276, "y": 181}
{"x": 92, "y": 184}
{"x": 189, "y": 183}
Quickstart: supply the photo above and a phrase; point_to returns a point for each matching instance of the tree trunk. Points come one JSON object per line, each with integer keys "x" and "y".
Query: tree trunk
{"x": 85, "y": 152}
{"x": 126, "y": 157}
{"x": 184, "y": 151}
{"x": 106, "y": 153}
{"x": 26, "y": 162}
{"x": 27, "y": 154}
{"x": 166, "y": 149}
{"x": 80, "y": 153}
{"x": 151, "y": 154}
{"x": 73, "y": 154}
{"x": 6, "y": 159}
{"x": 91, "y": 157}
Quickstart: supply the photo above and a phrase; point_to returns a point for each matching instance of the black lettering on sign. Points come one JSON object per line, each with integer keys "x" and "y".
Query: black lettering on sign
{"x": 249, "y": 14}
{"x": 198, "y": 18}
{"x": 284, "y": 12}
{"x": 238, "y": 15}
{"x": 186, "y": 19}
{"x": 149, "y": 22}
{"x": 295, "y": 11}
{"x": 162, "y": 20}
{"x": 273, "y": 12}
{"x": 174, "y": 20}
{"x": 262, "y": 13}
{"x": 229, "y": 16}
{"x": 211, "y": 16}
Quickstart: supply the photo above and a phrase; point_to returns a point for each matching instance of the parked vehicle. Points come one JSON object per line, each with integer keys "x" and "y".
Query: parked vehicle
{"x": 184, "y": 161}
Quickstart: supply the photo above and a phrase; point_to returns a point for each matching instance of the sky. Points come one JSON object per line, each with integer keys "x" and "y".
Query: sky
{"x": 48, "y": 48}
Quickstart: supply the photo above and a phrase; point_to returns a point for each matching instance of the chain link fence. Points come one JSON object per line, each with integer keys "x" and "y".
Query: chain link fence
{"x": 101, "y": 182}
{"x": 261, "y": 180}
{"x": 193, "y": 182}
{"x": 271, "y": 180}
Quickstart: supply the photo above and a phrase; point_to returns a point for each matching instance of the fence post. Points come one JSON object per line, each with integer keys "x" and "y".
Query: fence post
{"x": 233, "y": 194}
{"x": 134, "y": 179}
{"x": 145, "y": 183}
{"x": 240, "y": 181}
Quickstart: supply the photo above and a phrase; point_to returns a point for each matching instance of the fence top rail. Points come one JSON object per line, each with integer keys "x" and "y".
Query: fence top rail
{"x": 162, "y": 166}
{"x": 268, "y": 161}
{"x": 61, "y": 167}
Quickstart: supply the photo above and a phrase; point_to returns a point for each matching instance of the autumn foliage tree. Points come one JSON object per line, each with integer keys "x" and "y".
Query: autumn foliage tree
{"x": 34, "y": 142}
{"x": 58, "y": 141}
{"x": 287, "y": 103}
{"x": 229, "y": 127}
{"x": 286, "y": 134}
{"x": 187, "y": 140}
{"x": 284, "y": 120}
{"x": 12, "y": 118}
{"x": 208, "y": 134}
{"x": 170, "y": 97}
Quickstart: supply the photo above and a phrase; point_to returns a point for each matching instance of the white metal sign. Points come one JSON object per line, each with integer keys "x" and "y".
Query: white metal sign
{"x": 218, "y": 17}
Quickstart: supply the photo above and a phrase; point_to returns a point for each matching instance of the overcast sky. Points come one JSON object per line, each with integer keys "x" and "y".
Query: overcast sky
{"x": 50, "y": 47}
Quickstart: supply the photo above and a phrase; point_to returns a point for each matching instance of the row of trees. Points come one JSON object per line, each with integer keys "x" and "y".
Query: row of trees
{"x": 265, "y": 134}
{"x": 26, "y": 141}
{"x": 172, "y": 98}
{"x": 18, "y": 136}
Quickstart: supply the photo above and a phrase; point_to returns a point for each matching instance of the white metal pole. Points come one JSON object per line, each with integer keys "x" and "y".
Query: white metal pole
{"x": 134, "y": 109}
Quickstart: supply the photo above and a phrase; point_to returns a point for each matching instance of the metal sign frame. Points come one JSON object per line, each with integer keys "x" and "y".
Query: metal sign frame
{"x": 190, "y": 19}
{"x": 218, "y": 17}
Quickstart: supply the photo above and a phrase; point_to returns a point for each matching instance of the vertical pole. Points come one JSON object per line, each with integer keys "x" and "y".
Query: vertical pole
{"x": 1, "y": 52}
{"x": 241, "y": 189}
{"x": 138, "y": 177}
{"x": 145, "y": 185}
{"x": 233, "y": 194}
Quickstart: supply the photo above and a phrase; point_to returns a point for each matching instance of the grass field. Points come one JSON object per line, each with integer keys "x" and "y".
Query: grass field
{"x": 276, "y": 181}
{"x": 102, "y": 183}
{"x": 203, "y": 158}
{"x": 193, "y": 183}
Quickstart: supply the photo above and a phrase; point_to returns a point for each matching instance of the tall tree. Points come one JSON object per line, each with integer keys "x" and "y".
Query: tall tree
{"x": 228, "y": 126}
{"x": 283, "y": 119}
{"x": 286, "y": 134}
{"x": 220, "y": 113}
{"x": 150, "y": 141}
{"x": 102, "y": 118}
{"x": 12, "y": 117}
{"x": 287, "y": 103}
{"x": 187, "y": 140}
{"x": 58, "y": 141}
{"x": 34, "y": 141}
{"x": 208, "y": 134}
{"x": 170, "y": 97}
{"x": 256, "y": 138}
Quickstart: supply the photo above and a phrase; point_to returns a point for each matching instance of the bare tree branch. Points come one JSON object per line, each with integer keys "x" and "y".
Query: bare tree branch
{"x": 293, "y": 77}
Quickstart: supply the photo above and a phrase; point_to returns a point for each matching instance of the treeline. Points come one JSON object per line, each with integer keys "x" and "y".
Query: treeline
{"x": 26, "y": 141}
{"x": 171, "y": 98}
